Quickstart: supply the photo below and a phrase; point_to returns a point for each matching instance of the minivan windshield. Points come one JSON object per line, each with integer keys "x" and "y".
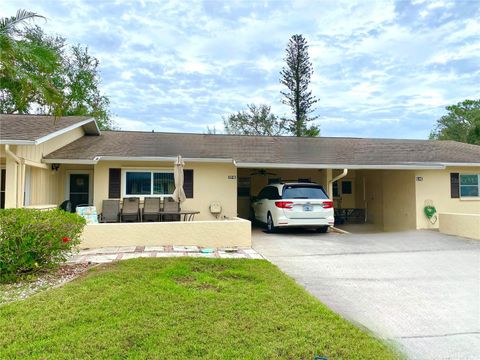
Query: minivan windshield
{"x": 303, "y": 192}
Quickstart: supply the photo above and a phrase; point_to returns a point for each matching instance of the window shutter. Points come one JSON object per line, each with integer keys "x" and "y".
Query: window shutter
{"x": 188, "y": 183}
{"x": 114, "y": 181}
{"x": 454, "y": 185}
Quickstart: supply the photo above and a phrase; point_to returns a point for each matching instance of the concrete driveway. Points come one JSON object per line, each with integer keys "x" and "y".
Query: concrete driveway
{"x": 419, "y": 289}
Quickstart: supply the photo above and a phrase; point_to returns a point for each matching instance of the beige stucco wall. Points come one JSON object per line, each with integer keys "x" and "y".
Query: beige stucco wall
{"x": 216, "y": 233}
{"x": 370, "y": 181}
{"x": 211, "y": 182}
{"x": 435, "y": 186}
{"x": 398, "y": 200}
{"x": 466, "y": 225}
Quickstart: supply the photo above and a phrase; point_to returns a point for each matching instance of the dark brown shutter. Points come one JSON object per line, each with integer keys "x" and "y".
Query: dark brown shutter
{"x": 114, "y": 181}
{"x": 454, "y": 185}
{"x": 188, "y": 183}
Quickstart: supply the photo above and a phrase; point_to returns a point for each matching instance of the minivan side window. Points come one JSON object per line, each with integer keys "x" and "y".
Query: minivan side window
{"x": 262, "y": 194}
{"x": 272, "y": 193}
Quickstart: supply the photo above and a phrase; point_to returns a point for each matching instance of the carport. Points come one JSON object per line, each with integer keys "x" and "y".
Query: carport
{"x": 378, "y": 196}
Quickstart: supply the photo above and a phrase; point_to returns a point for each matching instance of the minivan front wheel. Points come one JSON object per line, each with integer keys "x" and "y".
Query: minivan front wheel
{"x": 270, "y": 225}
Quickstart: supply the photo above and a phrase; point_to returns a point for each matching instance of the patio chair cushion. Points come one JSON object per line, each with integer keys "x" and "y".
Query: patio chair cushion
{"x": 89, "y": 213}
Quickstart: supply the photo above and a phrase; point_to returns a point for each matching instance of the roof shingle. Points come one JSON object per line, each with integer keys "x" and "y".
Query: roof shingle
{"x": 34, "y": 127}
{"x": 262, "y": 149}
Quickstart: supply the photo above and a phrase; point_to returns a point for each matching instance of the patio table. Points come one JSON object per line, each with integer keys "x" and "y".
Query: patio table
{"x": 188, "y": 215}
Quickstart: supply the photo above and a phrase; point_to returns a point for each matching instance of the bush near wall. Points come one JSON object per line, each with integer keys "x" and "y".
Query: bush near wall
{"x": 34, "y": 240}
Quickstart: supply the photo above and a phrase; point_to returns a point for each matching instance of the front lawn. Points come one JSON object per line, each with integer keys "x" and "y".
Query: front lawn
{"x": 181, "y": 308}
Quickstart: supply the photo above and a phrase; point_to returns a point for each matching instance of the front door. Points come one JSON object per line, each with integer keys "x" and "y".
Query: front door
{"x": 79, "y": 189}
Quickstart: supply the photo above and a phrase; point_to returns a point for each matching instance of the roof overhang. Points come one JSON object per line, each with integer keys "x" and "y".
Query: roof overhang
{"x": 90, "y": 126}
{"x": 134, "y": 158}
{"x": 400, "y": 166}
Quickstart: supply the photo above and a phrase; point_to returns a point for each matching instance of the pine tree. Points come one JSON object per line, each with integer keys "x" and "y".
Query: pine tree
{"x": 296, "y": 77}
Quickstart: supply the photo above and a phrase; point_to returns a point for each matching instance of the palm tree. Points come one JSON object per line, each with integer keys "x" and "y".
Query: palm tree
{"x": 9, "y": 26}
{"x": 26, "y": 67}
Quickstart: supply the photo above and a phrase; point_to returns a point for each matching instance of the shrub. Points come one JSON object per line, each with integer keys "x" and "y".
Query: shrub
{"x": 34, "y": 240}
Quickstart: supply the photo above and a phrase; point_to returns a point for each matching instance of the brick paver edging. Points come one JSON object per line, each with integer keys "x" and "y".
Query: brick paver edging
{"x": 116, "y": 253}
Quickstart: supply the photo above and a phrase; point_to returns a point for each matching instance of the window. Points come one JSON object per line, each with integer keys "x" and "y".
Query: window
{"x": 148, "y": 183}
{"x": 335, "y": 189}
{"x": 243, "y": 187}
{"x": 469, "y": 185}
{"x": 346, "y": 187}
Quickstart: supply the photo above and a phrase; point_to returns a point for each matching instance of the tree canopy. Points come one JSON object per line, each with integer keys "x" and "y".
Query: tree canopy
{"x": 461, "y": 123}
{"x": 296, "y": 77}
{"x": 41, "y": 74}
{"x": 256, "y": 120}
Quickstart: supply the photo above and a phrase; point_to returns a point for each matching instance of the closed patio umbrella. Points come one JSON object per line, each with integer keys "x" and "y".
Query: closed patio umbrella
{"x": 179, "y": 193}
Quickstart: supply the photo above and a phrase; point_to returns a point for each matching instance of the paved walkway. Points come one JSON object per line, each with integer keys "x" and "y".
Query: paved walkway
{"x": 115, "y": 253}
{"x": 419, "y": 289}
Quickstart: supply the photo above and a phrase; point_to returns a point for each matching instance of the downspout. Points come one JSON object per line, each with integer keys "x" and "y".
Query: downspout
{"x": 336, "y": 178}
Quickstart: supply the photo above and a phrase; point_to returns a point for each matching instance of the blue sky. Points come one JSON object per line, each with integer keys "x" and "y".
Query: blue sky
{"x": 381, "y": 69}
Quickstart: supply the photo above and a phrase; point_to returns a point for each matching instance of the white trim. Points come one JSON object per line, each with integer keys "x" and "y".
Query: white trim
{"x": 160, "y": 158}
{"x": 413, "y": 166}
{"x": 461, "y": 164}
{"x": 146, "y": 170}
{"x": 65, "y": 130}
{"x": 70, "y": 161}
{"x": 90, "y": 183}
{"x": 51, "y": 135}
{"x": 416, "y": 166}
{"x": 17, "y": 142}
{"x": 132, "y": 158}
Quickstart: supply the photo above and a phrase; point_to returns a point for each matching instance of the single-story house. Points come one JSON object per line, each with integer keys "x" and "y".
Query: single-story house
{"x": 45, "y": 160}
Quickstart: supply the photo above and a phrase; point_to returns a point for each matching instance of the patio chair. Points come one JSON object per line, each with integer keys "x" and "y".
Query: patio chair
{"x": 130, "y": 209}
{"x": 170, "y": 205}
{"x": 110, "y": 211}
{"x": 151, "y": 209}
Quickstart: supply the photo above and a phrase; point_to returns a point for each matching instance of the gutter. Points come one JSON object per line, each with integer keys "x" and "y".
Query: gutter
{"x": 96, "y": 159}
{"x": 240, "y": 165}
{"x": 404, "y": 166}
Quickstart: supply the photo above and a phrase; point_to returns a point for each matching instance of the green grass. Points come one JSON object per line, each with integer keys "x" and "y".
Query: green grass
{"x": 181, "y": 308}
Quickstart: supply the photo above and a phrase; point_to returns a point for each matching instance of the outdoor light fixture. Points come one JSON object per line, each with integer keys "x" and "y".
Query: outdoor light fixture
{"x": 55, "y": 167}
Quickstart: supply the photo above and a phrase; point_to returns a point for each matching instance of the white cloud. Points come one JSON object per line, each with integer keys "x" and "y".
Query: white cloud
{"x": 182, "y": 65}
